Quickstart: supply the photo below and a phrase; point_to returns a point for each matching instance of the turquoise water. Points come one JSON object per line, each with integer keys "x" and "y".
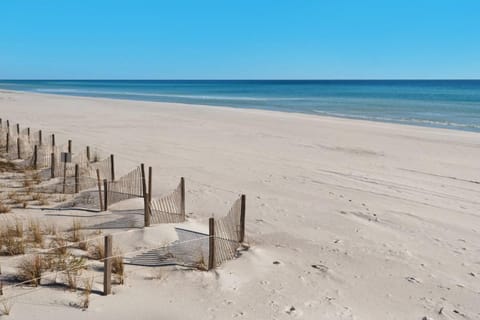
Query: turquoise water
{"x": 453, "y": 104}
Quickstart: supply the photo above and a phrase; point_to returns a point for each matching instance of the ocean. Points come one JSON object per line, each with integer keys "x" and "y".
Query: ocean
{"x": 452, "y": 104}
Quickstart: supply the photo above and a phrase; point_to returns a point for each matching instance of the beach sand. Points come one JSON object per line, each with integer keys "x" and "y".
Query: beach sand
{"x": 367, "y": 220}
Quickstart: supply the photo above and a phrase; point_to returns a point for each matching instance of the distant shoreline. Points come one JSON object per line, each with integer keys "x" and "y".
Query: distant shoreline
{"x": 446, "y": 104}
{"x": 260, "y": 112}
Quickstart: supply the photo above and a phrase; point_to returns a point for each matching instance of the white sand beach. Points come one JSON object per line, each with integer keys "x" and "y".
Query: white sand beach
{"x": 364, "y": 220}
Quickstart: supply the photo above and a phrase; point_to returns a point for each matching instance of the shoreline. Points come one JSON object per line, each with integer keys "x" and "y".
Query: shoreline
{"x": 335, "y": 208}
{"x": 306, "y": 115}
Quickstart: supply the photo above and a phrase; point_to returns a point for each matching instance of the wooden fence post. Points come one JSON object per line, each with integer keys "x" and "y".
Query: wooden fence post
{"x": 8, "y": 141}
{"x": 182, "y": 196}
{"x": 88, "y": 153}
{"x": 40, "y": 137}
{"x": 28, "y": 133}
{"x": 19, "y": 153}
{"x": 112, "y": 167}
{"x": 64, "y": 171}
{"x": 77, "y": 178}
{"x": 149, "y": 195}
{"x": 105, "y": 194}
{"x": 18, "y": 129}
{"x": 52, "y": 163}
{"x": 99, "y": 190}
{"x": 53, "y": 140}
{"x": 211, "y": 244}
{"x": 107, "y": 266}
{"x": 242, "y": 218}
{"x": 35, "y": 157}
{"x": 149, "y": 184}
{"x": 145, "y": 198}
{"x": 69, "y": 146}
{"x": 8, "y": 124}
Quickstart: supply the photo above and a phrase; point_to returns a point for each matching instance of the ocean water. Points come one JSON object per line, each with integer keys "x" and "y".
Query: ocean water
{"x": 452, "y": 104}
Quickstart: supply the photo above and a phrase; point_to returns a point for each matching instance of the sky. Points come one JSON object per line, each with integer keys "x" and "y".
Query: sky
{"x": 233, "y": 39}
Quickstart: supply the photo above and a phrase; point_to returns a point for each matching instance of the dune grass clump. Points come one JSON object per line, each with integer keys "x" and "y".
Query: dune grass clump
{"x": 7, "y": 166}
{"x": 17, "y": 230}
{"x": 30, "y": 270}
{"x": 51, "y": 229}
{"x": 10, "y": 245}
{"x": 83, "y": 244}
{"x": 61, "y": 198}
{"x": 97, "y": 251}
{"x": 40, "y": 199}
{"x": 27, "y": 182}
{"x": 87, "y": 290}
{"x": 73, "y": 269}
{"x": 67, "y": 264}
{"x": 36, "y": 178}
{"x": 36, "y": 232}
{"x": 60, "y": 245}
{"x": 76, "y": 233}
{"x": 118, "y": 268}
{"x": 37, "y": 196}
{"x": 4, "y": 208}
{"x": 201, "y": 264}
{"x": 43, "y": 202}
{"x": 14, "y": 197}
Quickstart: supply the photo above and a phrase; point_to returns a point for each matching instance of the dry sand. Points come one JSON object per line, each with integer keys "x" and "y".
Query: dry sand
{"x": 367, "y": 220}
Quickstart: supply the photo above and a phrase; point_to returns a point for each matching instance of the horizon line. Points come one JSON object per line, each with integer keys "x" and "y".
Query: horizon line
{"x": 245, "y": 79}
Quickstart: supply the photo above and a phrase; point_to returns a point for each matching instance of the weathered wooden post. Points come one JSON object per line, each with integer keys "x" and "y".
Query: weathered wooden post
{"x": 107, "y": 266}
{"x": 28, "y": 134}
{"x": 88, "y": 153}
{"x": 40, "y": 137}
{"x": 242, "y": 218}
{"x": 53, "y": 140}
{"x": 149, "y": 185}
{"x": 149, "y": 194}
{"x": 8, "y": 124}
{"x": 18, "y": 129}
{"x": 69, "y": 146}
{"x": 19, "y": 152}
{"x": 52, "y": 163}
{"x": 145, "y": 198}
{"x": 64, "y": 158}
{"x": 77, "y": 178}
{"x": 211, "y": 243}
{"x": 112, "y": 167}
{"x": 105, "y": 194}
{"x": 182, "y": 196}
{"x": 99, "y": 190}
{"x": 8, "y": 141}
{"x": 35, "y": 157}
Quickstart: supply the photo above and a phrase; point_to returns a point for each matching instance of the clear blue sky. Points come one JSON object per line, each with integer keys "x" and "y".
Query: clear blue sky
{"x": 239, "y": 39}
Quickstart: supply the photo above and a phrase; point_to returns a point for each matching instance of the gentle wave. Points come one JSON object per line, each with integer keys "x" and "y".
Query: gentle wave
{"x": 404, "y": 120}
{"x": 164, "y": 95}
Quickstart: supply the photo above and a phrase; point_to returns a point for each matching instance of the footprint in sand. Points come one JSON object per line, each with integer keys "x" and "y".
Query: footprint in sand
{"x": 413, "y": 280}
{"x": 320, "y": 267}
{"x": 238, "y": 314}
{"x": 290, "y": 310}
